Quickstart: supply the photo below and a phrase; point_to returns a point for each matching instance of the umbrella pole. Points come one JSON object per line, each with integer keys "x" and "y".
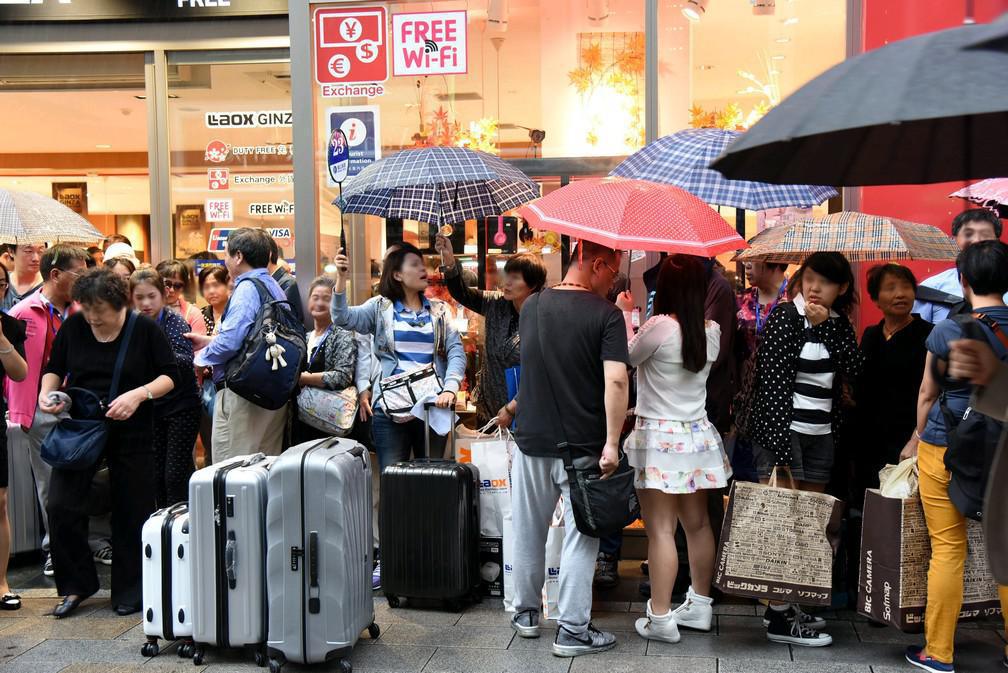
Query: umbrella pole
{"x": 740, "y": 230}
{"x": 342, "y": 229}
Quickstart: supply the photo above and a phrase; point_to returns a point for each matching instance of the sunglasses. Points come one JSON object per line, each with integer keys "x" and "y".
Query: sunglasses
{"x": 176, "y": 285}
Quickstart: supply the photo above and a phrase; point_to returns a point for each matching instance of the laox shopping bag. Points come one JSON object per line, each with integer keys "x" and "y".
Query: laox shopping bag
{"x": 492, "y": 455}
{"x": 895, "y": 551}
{"x": 778, "y": 544}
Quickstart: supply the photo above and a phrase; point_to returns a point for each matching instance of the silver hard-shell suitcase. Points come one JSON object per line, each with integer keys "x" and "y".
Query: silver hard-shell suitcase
{"x": 227, "y": 516}
{"x": 318, "y": 559}
{"x": 167, "y": 580}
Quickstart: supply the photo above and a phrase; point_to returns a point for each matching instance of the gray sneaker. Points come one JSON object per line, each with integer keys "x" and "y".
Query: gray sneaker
{"x": 104, "y": 555}
{"x": 526, "y": 624}
{"x": 47, "y": 567}
{"x": 592, "y": 641}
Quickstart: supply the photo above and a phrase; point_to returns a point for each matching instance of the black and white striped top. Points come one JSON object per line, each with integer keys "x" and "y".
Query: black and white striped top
{"x": 812, "y": 399}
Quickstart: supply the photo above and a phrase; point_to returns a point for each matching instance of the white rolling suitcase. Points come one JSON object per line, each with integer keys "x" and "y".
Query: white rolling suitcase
{"x": 167, "y": 580}
{"x": 318, "y": 560}
{"x": 227, "y": 510}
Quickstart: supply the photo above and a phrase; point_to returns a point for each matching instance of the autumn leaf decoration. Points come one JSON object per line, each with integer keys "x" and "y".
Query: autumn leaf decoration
{"x": 614, "y": 61}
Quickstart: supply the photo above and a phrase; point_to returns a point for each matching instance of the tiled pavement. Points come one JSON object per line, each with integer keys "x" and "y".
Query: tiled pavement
{"x": 479, "y": 640}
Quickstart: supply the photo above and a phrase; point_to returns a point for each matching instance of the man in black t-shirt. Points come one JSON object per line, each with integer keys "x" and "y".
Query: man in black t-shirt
{"x": 574, "y": 390}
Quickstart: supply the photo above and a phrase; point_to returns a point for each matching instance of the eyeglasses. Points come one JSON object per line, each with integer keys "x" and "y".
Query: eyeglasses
{"x": 615, "y": 272}
{"x": 176, "y": 285}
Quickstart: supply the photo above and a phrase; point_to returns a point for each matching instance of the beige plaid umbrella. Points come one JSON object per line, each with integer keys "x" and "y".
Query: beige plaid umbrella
{"x": 26, "y": 217}
{"x": 859, "y": 236}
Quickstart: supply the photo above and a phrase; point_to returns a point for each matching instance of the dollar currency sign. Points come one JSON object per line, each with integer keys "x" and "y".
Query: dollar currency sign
{"x": 366, "y": 54}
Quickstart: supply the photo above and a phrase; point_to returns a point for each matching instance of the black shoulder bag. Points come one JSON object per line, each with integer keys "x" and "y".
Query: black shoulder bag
{"x": 972, "y": 439}
{"x": 601, "y": 506}
{"x": 76, "y": 443}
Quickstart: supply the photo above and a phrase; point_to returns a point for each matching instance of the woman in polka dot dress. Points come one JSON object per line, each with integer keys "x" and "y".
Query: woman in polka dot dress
{"x": 177, "y": 414}
{"x": 808, "y": 347}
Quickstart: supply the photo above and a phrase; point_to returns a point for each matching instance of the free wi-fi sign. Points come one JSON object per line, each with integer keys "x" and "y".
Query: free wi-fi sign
{"x": 429, "y": 43}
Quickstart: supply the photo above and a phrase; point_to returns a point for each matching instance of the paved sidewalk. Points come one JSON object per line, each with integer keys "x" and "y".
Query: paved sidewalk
{"x": 479, "y": 640}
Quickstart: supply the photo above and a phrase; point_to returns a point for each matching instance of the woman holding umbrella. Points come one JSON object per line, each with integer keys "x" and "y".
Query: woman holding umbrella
{"x": 524, "y": 275}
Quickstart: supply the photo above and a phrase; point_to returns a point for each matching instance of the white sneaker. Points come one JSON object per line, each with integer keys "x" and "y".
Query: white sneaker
{"x": 695, "y": 612}
{"x": 658, "y": 627}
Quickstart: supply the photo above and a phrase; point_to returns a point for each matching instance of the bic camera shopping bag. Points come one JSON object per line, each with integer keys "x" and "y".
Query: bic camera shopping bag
{"x": 331, "y": 411}
{"x": 895, "y": 550}
{"x": 778, "y": 544}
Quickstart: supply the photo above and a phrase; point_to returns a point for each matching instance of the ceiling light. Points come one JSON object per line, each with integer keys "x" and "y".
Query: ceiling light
{"x": 140, "y": 97}
{"x": 103, "y": 146}
{"x": 695, "y": 9}
{"x": 791, "y": 21}
{"x": 782, "y": 40}
{"x": 778, "y": 57}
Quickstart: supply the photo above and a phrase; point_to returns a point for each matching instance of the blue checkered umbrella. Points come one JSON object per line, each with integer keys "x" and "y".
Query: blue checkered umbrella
{"x": 682, "y": 159}
{"x": 437, "y": 185}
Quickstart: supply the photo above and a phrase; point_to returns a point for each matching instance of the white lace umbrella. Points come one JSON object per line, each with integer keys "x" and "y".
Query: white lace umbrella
{"x": 26, "y": 217}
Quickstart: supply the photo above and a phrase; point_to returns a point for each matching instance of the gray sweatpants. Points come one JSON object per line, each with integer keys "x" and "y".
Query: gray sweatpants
{"x": 536, "y": 484}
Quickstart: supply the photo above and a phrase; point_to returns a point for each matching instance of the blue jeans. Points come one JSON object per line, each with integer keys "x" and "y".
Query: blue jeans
{"x": 396, "y": 442}
{"x": 743, "y": 460}
{"x": 612, "y": 544}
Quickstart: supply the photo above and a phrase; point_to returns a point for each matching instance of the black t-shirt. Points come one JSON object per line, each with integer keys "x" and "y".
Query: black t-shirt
{"x": 581, "y": 331}
{"x": 87, "y": 363}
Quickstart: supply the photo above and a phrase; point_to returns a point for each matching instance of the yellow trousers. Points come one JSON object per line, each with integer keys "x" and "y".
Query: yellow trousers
{"x": 947, "y": 530}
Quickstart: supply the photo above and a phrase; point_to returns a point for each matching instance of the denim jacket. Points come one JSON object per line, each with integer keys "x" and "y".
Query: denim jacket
{"x": 374, "y": 317}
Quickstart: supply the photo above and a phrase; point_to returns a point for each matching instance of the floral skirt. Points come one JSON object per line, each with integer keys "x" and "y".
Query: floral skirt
{"x": 677, "y": 456}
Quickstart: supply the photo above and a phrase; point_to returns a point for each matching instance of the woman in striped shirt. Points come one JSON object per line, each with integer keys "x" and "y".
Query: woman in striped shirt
{"x": 411, "y": 332}
{"x": 806, "y": 344}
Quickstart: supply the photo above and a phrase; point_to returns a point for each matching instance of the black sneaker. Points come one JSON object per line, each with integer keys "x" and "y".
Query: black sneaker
{"x": 804, "y": 618}
{"x": 526, "y": 624}
{"x": 592, "y": 641}
{"x": 785, "y": 628}
{"x": 606, "y": 571}
{"x": 47, "y": 567}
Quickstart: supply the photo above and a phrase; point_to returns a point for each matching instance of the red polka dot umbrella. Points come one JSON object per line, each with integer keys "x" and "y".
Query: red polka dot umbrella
{"x": 627, "y": 214}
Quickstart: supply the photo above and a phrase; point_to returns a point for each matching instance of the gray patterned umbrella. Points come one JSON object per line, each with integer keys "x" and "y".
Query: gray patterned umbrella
{"x": 27, "y": 217}
{"x": 437, "y": 185}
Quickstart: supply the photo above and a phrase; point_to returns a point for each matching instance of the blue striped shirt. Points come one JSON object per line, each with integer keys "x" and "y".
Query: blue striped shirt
{"x": 414, "y": 337}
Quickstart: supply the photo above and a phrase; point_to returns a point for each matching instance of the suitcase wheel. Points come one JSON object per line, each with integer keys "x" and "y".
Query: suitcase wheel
{"x": 260, "y": 658}
{"x": 149, "y": 649}
{"x": 393, "y": 601}
{"x": 344, "y": 666}
{"x": 197, "y": 657}
{"x": 185, "y": 650}
{"x": 374, "y": 631}
{"x": 275, "y": 665}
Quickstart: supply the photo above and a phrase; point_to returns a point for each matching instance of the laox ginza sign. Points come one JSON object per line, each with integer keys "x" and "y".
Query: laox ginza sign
{"x": 248, "y": 120}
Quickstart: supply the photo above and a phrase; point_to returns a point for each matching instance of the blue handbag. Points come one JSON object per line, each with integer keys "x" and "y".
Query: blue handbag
{"x": 76, "y": 443}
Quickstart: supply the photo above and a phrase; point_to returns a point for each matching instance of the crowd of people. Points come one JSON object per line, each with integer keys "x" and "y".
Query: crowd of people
{"x": 712, "y": 387}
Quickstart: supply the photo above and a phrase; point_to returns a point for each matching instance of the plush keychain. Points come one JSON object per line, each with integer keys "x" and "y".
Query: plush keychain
{"x": 275, "y": 352}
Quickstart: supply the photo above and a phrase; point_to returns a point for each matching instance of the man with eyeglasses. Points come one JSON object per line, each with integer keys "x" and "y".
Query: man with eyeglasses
{"x": 44, "y": 312}
{"x": 25, "y": 278}
{"x": 576, "y": 334}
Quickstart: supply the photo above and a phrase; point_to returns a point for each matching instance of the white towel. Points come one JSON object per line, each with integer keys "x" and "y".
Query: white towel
{"x": 442, "y": 421}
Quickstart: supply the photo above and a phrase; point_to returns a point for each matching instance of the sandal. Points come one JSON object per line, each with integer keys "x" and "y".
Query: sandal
{"x": 10, "y": 602}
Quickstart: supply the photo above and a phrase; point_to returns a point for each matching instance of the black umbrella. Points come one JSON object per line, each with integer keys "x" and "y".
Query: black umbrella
{"x": 919, "y": 110}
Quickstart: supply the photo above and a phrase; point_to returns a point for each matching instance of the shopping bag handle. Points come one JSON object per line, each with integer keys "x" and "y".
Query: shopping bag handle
{"x": 782, "y": 469}
{"x": 494, "y": 430}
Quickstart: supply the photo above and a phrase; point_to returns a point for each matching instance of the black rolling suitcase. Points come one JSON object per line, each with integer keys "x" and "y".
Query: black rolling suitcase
{"x": 429, "y": 525}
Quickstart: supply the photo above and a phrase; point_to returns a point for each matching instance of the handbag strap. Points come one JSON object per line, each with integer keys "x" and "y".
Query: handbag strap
{"x": 121, "y": 355}
{"x": 562, "y": 445}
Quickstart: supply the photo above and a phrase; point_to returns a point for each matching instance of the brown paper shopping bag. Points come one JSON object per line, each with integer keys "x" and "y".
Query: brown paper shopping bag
{"x": 778, "y": 544}
{"x": 895, "y": 551}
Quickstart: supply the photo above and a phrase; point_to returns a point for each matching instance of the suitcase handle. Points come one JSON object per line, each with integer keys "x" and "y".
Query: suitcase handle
{"x": 314, "y": 604}
{"x": 253, "y": 459}
{"x": 230, "y": 564}
{"x": 451, "y": 433}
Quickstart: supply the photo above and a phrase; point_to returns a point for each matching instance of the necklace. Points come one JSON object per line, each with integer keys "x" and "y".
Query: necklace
{"x": 577, "y": 285}
{"x": 888, "y": 334}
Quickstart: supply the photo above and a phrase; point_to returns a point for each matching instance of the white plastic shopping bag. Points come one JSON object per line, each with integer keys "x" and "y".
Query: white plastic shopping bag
{"x": 899, "y": 481}
{"x": 554, "y": 550}
{"x": 492, "y": 454}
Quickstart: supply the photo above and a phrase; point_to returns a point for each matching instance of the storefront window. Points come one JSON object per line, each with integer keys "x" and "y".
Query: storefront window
{"x": 229, "y": 119}
{"x": 75, "y": 128}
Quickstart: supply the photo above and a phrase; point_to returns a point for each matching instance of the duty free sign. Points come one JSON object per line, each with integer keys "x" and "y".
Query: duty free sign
{"x": 429, "y": 43}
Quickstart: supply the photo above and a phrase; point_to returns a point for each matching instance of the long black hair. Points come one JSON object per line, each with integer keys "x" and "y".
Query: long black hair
{"x": 388, "y": 286}
{"x": 835, "y": 268}
{"x": 681, "y": 290}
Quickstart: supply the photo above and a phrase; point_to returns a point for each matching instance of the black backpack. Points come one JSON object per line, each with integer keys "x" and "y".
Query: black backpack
{"x": 972, "y": 439}
{"x": 261, "y": 373}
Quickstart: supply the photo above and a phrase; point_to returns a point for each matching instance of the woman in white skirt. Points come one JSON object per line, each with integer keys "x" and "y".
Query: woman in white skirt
{"x": 676, "y": 452}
